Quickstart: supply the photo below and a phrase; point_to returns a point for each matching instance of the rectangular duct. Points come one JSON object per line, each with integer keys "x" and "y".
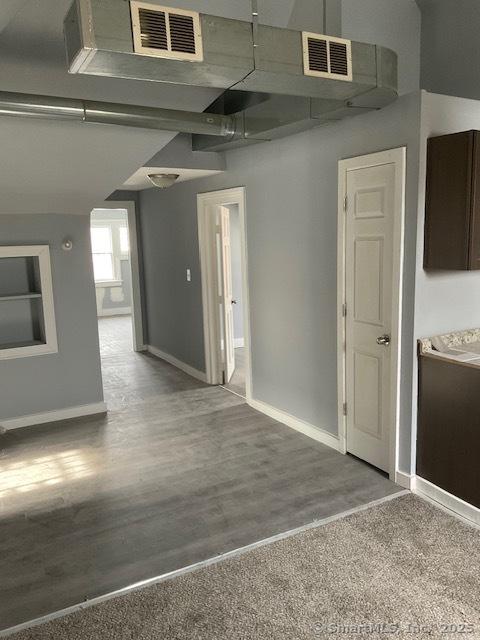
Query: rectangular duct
{"x": 100, "y": 41}
{"x": 277, "y": 81}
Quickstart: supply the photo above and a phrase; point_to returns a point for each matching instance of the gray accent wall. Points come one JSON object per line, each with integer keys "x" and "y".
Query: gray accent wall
{"x": 291, "y": 187}
{"x": 450, "y": 47}
{"x": 391, "y": 23}
{"x": 71, "y": 377}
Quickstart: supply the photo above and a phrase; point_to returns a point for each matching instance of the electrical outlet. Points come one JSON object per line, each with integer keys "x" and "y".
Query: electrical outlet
{"x": 189, "y": 275}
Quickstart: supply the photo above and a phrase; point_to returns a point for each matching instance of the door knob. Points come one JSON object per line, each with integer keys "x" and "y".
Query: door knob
{"x": 384, "y": 340}
{"x": 234, "y": 302}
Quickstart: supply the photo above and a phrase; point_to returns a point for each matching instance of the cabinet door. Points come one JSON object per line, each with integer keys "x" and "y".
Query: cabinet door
{"x": 448, "y": 202}
{"x": 474, "y": 248}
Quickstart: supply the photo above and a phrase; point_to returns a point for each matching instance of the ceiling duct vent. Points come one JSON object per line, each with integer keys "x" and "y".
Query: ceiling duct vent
{"x": 166, "y": 33}
{"x": 327, "y": 57}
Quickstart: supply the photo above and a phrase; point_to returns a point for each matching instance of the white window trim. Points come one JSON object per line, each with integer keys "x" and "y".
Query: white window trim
{"x": 42, "y": 252}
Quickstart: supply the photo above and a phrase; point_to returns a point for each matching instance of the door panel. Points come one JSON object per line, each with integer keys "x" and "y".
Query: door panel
{"x": 369, "y": 271}
{"x": 227, "y": 295}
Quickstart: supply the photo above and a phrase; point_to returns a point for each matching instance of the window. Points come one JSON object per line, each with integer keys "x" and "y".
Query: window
{"x": 102, "y": 250}
{"x": 124, "y": 241}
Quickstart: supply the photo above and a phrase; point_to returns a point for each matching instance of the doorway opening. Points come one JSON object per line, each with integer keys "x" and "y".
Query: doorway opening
{"x": 370, "y": 267}
{"x": 113, "y": 229}
{"x": 223, "y": 256}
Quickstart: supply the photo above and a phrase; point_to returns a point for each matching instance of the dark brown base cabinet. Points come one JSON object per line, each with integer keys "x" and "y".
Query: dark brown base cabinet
{"x": 448, "y": 440}
{"x": 452, "y": 213}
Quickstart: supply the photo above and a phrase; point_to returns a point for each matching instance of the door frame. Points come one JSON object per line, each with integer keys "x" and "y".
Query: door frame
{"x": 137, "y": 306}
{"x": 398, "y": 157}
{"x": 208, "y": 265}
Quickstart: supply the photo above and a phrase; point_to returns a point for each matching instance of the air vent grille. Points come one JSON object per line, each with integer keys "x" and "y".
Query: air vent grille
{"x": 166, "y": 32}
{"x": 182, "y": 33}
{"x": 327, "y": 57}
{"x": 317, "y": 55}
{"x": 153, "y": 29}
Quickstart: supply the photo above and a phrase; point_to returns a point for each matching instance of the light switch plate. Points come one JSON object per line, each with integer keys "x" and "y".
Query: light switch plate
{"x": 189, "y": 275}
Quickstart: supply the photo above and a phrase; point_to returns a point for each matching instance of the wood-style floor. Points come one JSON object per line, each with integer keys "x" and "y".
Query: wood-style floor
{"x": 176, "y": 473}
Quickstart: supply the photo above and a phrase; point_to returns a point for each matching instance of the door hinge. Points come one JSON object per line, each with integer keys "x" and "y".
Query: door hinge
{"x": 345, "y": 204}
{"x": 344, "y": 309}
{"x": 344, "y": 408}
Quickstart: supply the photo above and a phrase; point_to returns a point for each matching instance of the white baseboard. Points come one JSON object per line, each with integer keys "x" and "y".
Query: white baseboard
{"x": 199, "y": 375}
{"x": 404, "y": 479}
{"x": 238, "y": 343}
{"x": 451, "y": 503}
{"x": 316, "y": 433}
{"x": 120, "y": 311}
{"x": 53, "y": 416}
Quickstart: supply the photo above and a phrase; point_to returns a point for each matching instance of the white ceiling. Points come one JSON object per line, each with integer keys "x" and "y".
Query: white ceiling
{"x": 140, "y": 179}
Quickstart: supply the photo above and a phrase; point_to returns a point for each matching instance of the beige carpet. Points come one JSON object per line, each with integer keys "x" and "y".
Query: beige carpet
{"x": 403, "y": 562}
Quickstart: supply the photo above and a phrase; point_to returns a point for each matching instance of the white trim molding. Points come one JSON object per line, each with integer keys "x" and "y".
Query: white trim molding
{"x": 118, "y": 311}
{"x": 206, "y": 203}
{"x": 316, "y": 433}
{"x": 405, "y": 480}
{"x": 239, "y": 343}
{"x": 449, "y": 502}
{"x": 398, "y": 157}
{"x": 49, "y": 344}
{"x": 183, "y": 366}
{"x": 97, "y": 408}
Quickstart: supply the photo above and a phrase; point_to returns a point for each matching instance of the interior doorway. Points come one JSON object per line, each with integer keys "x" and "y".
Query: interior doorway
{"x": 370, "y": 265}
{"x": 223, "y": 256}
{"x": 113, "y": 228}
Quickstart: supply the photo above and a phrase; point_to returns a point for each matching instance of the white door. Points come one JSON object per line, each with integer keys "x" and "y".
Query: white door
{"x": 369, "y": 287}
{"x": 227, "y": 295}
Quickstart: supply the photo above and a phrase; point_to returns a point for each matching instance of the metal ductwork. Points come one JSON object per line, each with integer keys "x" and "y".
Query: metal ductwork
{"x": 26, "y": 105}
{"x": 276, "y": 81}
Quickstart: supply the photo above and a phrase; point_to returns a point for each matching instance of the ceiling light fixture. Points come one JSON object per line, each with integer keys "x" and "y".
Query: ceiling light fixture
{"x": 163, "y": 180}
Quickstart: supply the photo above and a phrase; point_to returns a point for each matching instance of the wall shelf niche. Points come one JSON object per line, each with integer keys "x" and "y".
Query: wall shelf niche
{"x": 27, "y": 315}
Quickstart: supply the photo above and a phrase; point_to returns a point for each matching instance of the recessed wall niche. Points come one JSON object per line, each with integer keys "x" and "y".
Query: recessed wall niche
{"x": 27, "y": 315}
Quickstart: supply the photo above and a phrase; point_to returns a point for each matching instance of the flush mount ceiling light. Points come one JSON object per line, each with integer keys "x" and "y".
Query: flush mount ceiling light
{"x": 163, "y": 180}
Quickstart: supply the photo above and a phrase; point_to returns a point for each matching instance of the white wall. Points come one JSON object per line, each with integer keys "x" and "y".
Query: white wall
{"x": 444, "y": 301}
{"x": 391, "y": 23}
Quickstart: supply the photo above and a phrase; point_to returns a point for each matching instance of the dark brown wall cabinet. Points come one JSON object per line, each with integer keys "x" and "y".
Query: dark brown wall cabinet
{"x": 452, "y": 217}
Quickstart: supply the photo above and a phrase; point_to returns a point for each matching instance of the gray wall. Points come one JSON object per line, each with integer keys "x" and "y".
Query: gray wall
{"x": 71, "y": 377}
{"x": 237, "y": 283}
{"x": 292, "y": 235}
{"x": 392, "y": 23}
{"x": 173, "y": 306}
{"x": 450, "y": 47}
